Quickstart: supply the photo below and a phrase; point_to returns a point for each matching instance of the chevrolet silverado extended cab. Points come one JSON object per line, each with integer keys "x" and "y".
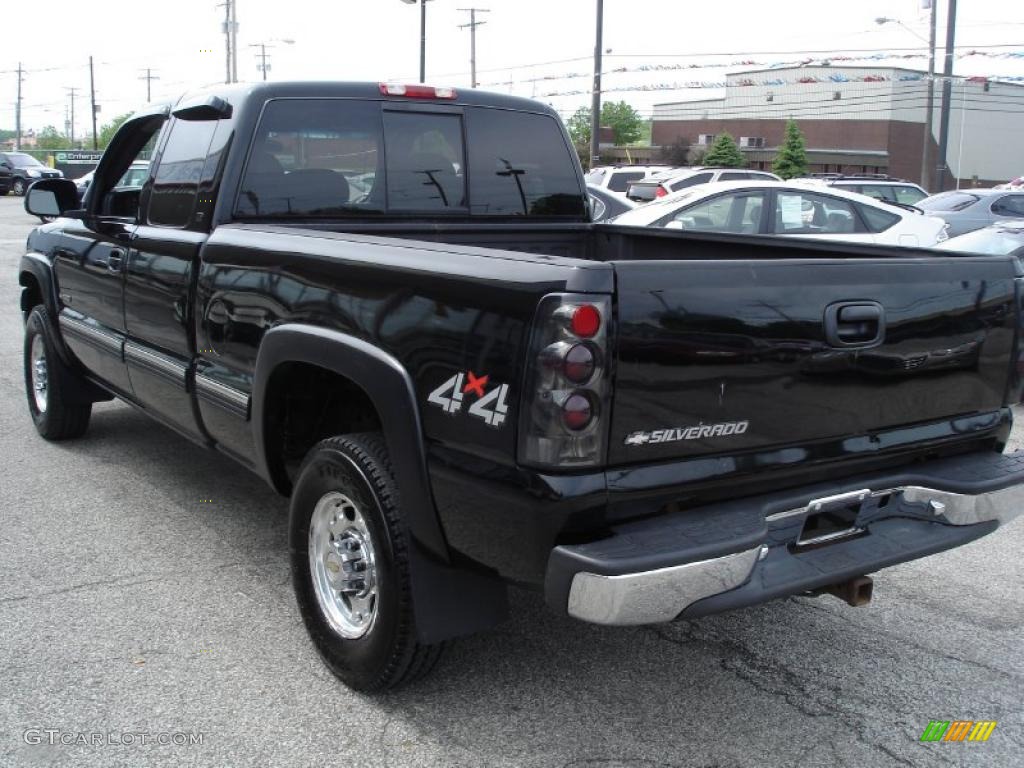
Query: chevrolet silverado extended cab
{"x": 390, "y": 303}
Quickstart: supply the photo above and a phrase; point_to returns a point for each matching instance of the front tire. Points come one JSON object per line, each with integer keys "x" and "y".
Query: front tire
{"x": 49, "y": 383}
{"x": 350, "y": 565}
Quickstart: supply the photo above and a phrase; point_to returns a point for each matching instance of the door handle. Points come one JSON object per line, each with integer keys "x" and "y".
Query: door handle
{"x": 115, "y": 259}
{"x": 854, "y": 323}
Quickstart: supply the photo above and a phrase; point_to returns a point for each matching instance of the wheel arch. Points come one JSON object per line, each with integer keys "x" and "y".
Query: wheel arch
{"x": 449, "y": 599}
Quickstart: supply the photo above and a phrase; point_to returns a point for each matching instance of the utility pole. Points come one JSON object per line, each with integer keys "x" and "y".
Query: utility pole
{"x": 473, "y": 24}
{"x": 926, "y": 151}
{"x": 595, "y": 105}
{"x": 234, "y": 41}
{"x": 17, "y": 109}
{"x": 149, "y": 77}
{"x": 947, "y": 97}
{"x": 92, "y": 98}
{"x": 227, "y": 41}
{"x": 71, "y": 124}
{"x": 263, "y": 58}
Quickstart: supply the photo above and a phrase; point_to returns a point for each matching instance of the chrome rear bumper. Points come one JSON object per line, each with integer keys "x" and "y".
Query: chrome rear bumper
{"x": 662, "y": 594}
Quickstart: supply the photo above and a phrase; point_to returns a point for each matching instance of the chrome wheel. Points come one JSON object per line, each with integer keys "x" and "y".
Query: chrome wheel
{"x": 343, "y": 565}
{"x": 39, "y": 379}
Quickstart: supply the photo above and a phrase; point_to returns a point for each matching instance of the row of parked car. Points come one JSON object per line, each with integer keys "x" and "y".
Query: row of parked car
{"x": 869, "y": 208}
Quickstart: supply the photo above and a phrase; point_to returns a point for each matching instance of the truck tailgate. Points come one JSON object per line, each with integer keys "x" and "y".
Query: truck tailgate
{"x": 724, "y": 356}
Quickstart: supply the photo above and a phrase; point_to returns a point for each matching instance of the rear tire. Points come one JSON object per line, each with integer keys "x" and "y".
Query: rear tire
{"x": 49, "y": 383}
{"x": 18, "y": 187}
{"x": 350, "y": 565}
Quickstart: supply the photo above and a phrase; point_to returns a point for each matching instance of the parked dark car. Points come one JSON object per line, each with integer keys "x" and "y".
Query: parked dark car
{"x": 462, "y": 383}
{"x": 21, "y": 169}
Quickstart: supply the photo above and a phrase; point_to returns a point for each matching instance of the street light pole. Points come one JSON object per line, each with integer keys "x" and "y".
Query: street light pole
{"x": 423, "y": 36}
{"x": 595, "y": 104}
{"x": 930, "y": 106}
{"x": 926, "y": 153}
{"x": 947, "y": 95}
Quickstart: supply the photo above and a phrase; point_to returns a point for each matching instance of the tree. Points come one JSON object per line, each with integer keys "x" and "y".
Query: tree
{"x": 792, "y": 158}
{"x": 49, "y": 138}
{"x": 725, "y": 153}
{"x": 579, "y": 127}
{"x": 625, "y": 122}
{"x": 107, "y": 131}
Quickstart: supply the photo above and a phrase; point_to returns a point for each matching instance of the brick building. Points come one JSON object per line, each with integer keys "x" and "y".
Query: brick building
{"x": 858, "y": 120}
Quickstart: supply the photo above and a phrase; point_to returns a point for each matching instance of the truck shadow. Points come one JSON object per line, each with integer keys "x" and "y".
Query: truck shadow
{"x": 781, "y": 679}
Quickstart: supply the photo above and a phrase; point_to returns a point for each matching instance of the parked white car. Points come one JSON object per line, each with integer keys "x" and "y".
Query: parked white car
{"x": 789, "y": 209}
{"x": 617, "y": 178}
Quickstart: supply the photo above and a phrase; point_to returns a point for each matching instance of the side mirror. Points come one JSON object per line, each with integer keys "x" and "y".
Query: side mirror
{"x": 51, "y": 197}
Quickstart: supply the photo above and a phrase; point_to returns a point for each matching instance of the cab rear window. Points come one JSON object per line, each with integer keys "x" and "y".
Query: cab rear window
{"x": 341, "y": 157}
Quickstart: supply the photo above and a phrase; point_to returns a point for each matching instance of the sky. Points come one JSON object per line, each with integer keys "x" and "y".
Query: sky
{"x": 522, "y": 41}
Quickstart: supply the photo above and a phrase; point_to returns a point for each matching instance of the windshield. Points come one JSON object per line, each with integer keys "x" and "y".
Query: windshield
{"x": 19, "y": 160}
{"x": 991, "y": 242}
{"x": 948, "y": 201}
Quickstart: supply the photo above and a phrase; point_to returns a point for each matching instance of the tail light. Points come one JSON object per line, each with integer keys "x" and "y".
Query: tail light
{"x": 660, "y": 191}
{"x": 416, "y": 91}
{"x": 564, "y": 417}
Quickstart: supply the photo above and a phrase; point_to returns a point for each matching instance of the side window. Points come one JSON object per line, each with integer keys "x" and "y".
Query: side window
{"x": 520, "y": 165}
{"x": 314, "y": 157}
{"x": 739, "y": 213}
{"x": 908, "y": 195}
{"x": 426, "y": 167}
{"x": 877, "y": 219}
{"x": 176, "y": 185}
{"x": 691, "y": 181}
{"x": 734, "y": 176}
{"x": 1011, "y": 205}
{"x": 620, "y": 180}
{"x": 807, "y": 213}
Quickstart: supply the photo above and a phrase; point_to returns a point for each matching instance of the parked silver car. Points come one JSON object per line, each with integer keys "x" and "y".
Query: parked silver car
{"x": 1004, "y": 238}
{"x": 966, "y": 210}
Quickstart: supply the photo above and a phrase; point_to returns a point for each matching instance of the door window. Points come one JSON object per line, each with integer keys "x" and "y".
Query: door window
{"x": 877, "y": 191}
{"x": 807, "y": 213}
{"x": 739, "y": 213}
{"x": 734, "y": 176}
{"x": 176, "y": 184}
{"x": 690, "y": 181}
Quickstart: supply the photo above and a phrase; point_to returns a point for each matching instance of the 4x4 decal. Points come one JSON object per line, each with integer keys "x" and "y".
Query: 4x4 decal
{"x": 491, "y": 407}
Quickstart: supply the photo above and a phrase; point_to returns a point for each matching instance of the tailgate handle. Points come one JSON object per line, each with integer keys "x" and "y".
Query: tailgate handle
{"x": 854, "y": 323}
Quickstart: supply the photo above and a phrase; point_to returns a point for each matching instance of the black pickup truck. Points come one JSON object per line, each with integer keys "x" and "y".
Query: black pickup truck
{"x": 390, "y": 303}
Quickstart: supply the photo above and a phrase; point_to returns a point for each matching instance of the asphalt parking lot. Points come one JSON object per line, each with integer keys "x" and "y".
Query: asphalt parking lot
{"x": 130, "y": 606}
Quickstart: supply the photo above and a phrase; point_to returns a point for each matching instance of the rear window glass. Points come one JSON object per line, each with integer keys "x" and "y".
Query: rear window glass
{"x": 621, "y": 179}
{"x": 520, "y": 165}
{"x": 426, "y": 169}
{"x": 908, "y": 195}
{"x": 344, "y": 157}
{"x": 876, "y": 219}
{"x": 949, "y": 201}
